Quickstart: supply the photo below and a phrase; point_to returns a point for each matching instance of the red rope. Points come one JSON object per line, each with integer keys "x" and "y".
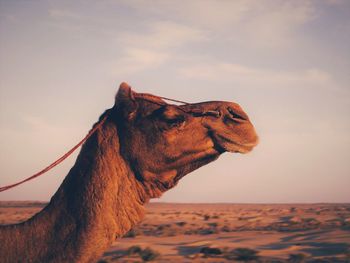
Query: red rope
{"x": 58, "y": 161}
{"x": 179, "y": 101}
{"x": 62, "y": 158}
{"x": 144, "y": 97}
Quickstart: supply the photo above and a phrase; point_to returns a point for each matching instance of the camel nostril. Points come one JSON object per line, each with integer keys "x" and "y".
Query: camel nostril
{"x": 213, "y": 113}
{"x": 235, "y": 115}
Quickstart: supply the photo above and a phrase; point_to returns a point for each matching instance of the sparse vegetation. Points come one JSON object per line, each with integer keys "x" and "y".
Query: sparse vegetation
{"x": 296, "y": 258}
{"x": 133, "y": 250}
{"x": 148, "y": 254}
{"x": 228, "y": 229}
{"x": 214, "y": 224}
{"x": 225, "y": 228}
{"x": 181, "y": 223}
{"x": 207, "y": 231}
{"x": 132, "y": 233}
{"x": 210, "y": 251}
{"x": 244, "y": 254}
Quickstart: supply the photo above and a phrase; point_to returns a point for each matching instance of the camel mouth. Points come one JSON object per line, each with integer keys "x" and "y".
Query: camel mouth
{"x": 230, "y": 145}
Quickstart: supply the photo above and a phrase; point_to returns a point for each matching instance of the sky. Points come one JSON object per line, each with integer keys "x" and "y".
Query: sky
{"x": 287, "y": 63}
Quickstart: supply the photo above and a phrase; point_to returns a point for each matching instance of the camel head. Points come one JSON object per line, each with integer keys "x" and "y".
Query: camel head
{"x": 163, "y": 142}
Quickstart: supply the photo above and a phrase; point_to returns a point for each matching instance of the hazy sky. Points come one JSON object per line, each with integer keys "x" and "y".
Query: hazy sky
{"x": 287, "y": 63}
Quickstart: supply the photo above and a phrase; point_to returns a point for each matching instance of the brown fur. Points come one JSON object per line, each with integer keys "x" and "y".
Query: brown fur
{"x": 142, "y": 150}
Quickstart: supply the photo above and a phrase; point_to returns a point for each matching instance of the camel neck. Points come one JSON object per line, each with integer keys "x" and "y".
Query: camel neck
{"x": 98, "y": 201}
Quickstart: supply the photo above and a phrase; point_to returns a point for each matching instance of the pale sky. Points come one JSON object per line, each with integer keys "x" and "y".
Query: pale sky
{"x": 287, "y": 63}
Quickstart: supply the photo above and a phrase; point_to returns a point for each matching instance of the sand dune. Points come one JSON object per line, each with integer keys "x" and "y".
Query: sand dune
{"x": 226, "y": 232}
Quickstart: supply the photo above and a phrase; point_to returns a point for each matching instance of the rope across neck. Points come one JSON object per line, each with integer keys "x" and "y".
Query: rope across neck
{"x": 59, "y": 160}
{"x": 66, "y": 155}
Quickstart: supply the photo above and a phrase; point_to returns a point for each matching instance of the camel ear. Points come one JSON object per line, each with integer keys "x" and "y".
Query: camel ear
{"x": 125, "y": 101}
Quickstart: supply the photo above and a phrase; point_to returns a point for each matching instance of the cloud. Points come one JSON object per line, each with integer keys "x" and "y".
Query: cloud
{"x": 138, "y": 59}
{"x": 271, "y": 26}
{"x": 151, "y": 49}
{"x": 63, "y": 14}
{"x": 206, "y": 13}
{"x": 267, "y": 24}
{"x": 163, "y": 35}
{"x": 255, "y": 77}
{"x": 38, "y": 125}
{"x": 336, "y": 2}
{"x": 8, "y": 17}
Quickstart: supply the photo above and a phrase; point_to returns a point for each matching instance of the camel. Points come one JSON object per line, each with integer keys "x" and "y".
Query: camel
{"x": 143, "y": 149}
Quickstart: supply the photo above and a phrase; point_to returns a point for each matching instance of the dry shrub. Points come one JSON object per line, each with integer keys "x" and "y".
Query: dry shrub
{"x": 214, "y": 224}
{"x": 181, "y": 223}
{"x": 210, "y": 251}
{"x": 243, "y": 254}
{"x": 206, "y": 217}
{"x": 149, "y": 254}
{"x": 296, "y": 258}
{"x": 146, "y": 254}
{"x": 225, "y": 228}
{"x": 131, "y": 234}
{"x": 133, "y": 250}
{"x": 207, "y": 231}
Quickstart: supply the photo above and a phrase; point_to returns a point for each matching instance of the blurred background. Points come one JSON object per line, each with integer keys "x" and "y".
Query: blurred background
{"x": 287, "y": 63}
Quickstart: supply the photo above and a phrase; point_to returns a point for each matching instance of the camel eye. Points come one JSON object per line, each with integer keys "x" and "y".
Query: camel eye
{"x": 174, "y": 121}
{"x": 169, "y": 117}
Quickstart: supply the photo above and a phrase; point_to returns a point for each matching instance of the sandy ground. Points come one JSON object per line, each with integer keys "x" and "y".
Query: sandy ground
{"x": 226, "y": 232}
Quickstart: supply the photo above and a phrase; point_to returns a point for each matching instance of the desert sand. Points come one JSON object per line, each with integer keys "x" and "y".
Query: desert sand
{"x": 225, "y": 232}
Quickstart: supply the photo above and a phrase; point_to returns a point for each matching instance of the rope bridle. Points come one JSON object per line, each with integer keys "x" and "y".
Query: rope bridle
{"x": 196, "y": 113}
{"x": 98, "y": 126}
